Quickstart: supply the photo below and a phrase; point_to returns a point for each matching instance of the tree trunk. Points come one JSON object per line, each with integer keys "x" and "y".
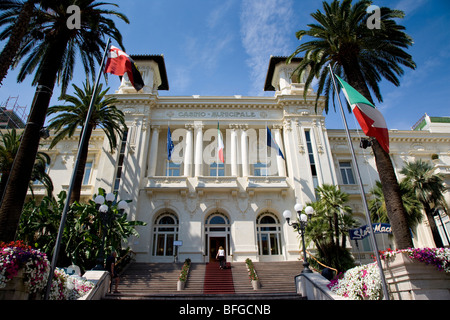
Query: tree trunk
{"x": 17, "y": 34}
{"x": 3, "y": 181}
{"x": 391, "y": 189}
{"x": 392, "y": 197}
{"x": 19, "y": 178}
{"x": 79, "y": 177}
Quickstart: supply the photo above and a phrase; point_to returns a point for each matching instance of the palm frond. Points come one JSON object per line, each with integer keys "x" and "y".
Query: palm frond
{"x": 340, "y": 37}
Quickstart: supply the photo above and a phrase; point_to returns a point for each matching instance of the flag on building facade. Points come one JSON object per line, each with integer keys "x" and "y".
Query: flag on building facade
{"x": 369, "y": 118}
{"x": 220, "y": 145}
{"x": 119, "y": 62}
{"x": 170, "y": 145}
{"x": 273, "y": 144}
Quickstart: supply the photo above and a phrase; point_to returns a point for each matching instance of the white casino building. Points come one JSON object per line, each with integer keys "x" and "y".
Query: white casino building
{"x": 192, "y": 205}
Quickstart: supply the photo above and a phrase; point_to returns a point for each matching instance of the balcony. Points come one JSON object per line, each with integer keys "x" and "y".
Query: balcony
{"x": 269, "y": 183}
{"x": 220, "y": 183}
{"x": 166, "y": 183}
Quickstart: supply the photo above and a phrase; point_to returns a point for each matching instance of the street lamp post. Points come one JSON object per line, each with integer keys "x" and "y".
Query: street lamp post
{"x": 106, "y": 215}
{"x": 303, "y": 219}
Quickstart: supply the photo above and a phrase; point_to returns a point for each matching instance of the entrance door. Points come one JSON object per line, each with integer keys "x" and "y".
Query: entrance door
{"x": 214, "y": 244}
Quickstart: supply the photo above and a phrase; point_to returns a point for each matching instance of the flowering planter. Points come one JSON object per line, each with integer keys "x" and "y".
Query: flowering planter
{"x": 410, "y": 279}
{"x": 256, "y": 284}
{"x": 15, "y": 288}
{"x": 252, "y": 274}
{"x": 180, "y": 285}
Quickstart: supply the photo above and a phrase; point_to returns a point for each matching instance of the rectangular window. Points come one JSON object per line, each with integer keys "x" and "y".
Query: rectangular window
{"x": 274, "y": 244}
{"x": 260, "y": 169}
{"x": 264, "y": 244}
{"x": 312, "y": 162}
{"x": 87, "y": 173}
{"x": 173, "y": 169}
{"x": 120, "y": 161}
{"x": 346, "y": 172}
{"x": 213, "y": 170}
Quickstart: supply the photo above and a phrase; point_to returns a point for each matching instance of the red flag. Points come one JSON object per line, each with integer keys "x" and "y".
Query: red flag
{"x": 119, "y": 62}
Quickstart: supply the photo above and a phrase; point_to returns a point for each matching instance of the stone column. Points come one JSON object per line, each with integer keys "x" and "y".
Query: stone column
{"x": 233, "y": 151}
{"x": 280, "y": 161}
{"x": 244, "y": 150}
{"x": 188, "y": 151}
{"x": 198, "y": 161}
{"x": 153, "y": 153}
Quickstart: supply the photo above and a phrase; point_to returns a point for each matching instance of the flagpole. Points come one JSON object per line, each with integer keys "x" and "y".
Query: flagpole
{"x": 363, "y": 194}
{"x": 75, "y": 169}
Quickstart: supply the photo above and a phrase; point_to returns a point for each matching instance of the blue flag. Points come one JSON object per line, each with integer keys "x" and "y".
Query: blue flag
{"x": 170, "y": 145}
{"x": 271, "y": 143}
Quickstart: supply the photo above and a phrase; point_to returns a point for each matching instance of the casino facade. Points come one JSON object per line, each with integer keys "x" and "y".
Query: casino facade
{"x": 194, "y": 203}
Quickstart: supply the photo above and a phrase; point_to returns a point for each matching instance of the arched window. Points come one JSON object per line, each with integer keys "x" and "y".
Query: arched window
{"x": 165, "y": 232}
{"x": 269, "y": 234}
{"x": 217, "y": 222}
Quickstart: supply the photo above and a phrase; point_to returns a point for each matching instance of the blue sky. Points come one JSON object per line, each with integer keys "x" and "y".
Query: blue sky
{"x": 223, "y": 47}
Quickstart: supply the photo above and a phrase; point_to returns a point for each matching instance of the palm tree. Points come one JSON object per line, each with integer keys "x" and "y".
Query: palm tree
{"x": 332, "y": 219}
{"x": 362, "y": 57}
{"x": 331, "y": 201}
{"x": 50, "y": 49}
{"x": 377, "y": 205}
{"x": 18, "y": 32}
{"x": 428, "y": 188}
{"x": 39, "y": 173}
{"x": 9, "y": 145}
{"x": 72, "y": 116}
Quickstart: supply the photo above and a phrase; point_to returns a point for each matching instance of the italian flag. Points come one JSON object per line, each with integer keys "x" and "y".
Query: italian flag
{"x": 220, "y": 145}
{"x": 369, "y": 118}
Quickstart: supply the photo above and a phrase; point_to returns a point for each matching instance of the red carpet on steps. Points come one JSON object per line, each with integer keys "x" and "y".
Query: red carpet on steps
{"x": 218, "y": 281}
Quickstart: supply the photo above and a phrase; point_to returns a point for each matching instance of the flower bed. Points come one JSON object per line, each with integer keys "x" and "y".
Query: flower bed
{"x": 16, "y": 258}
{"x": 68, "y": 287}
{"x": 438, "y": 257}
{"x": 359, "y": 283}
{"x": 364, "y": 282}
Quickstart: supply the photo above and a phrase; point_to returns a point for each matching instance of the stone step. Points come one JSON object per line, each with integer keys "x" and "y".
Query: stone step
{"x": 159, "y": 281}
{"x": 277, "y": 276}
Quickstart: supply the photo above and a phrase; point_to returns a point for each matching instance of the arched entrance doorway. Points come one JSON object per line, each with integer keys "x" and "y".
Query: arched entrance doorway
{"x": 217, "y": 233}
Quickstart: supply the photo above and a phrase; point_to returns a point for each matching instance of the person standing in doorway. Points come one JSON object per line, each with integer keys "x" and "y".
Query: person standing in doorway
{"x": 221, "y": 257}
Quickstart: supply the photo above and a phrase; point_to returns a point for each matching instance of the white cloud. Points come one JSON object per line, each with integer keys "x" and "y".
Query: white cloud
{"x": 409, "y": 6}
{"x": 265, "y": 31}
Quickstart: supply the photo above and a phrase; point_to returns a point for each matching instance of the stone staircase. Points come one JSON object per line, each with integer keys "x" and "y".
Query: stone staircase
{"x": 142, "y": 281}
{"x": 277, "y": 277}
